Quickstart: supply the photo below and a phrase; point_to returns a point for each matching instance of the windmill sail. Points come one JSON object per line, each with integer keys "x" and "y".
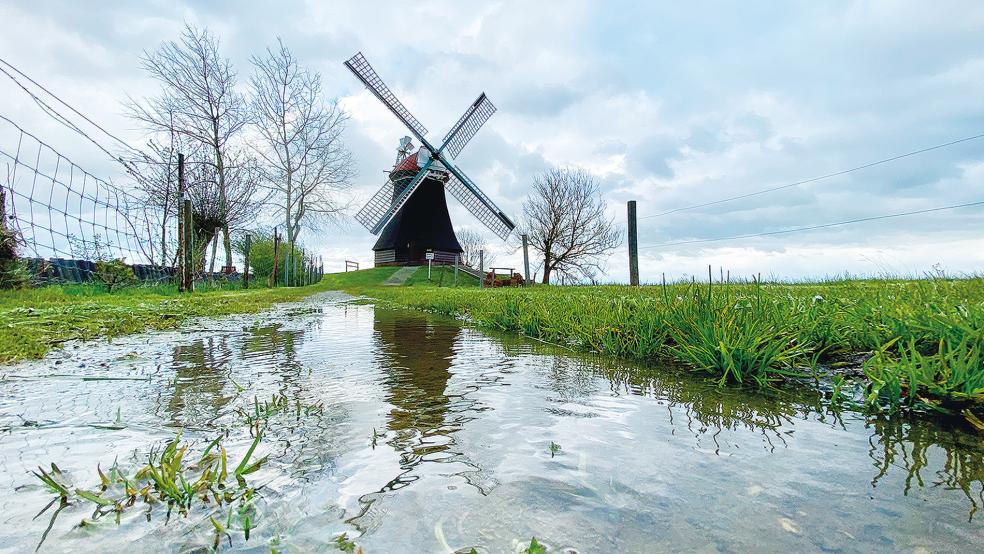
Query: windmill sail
{"x": 480, "y": 206}
{"x": 382, "y": 206}
{"x": 468, "y": 124}
{"x": 361, "y": 68}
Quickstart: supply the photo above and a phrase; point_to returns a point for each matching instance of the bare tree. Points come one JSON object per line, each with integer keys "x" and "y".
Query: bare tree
{"x": 199, "y": 101}
{"x": 566, "y": 223}
{"x": 156, "y": 180}
{"x": 472, "y": 243}
{"x": 305, "y": 161}
{"x": 242, "y": 181}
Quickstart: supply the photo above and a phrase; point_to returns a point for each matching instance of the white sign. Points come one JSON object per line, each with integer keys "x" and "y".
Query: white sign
{"x": 430, "y": 255}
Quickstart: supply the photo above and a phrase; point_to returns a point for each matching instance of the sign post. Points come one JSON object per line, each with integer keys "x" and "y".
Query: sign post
{"x": 430, "y": 258}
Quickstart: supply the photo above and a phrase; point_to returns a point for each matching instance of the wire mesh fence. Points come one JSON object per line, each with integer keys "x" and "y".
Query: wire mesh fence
{"x": 65, "y": 219}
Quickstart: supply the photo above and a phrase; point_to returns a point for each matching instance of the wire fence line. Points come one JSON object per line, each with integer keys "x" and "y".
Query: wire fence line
{"x": 66, "y": 219}
{"x": 819, "y": 178}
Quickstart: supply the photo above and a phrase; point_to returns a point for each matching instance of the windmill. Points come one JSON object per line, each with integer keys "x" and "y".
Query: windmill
{"x": 410, "y": 210}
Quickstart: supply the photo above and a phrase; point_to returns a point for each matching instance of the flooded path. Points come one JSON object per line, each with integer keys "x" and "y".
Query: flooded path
{"x": 437, "y": 438}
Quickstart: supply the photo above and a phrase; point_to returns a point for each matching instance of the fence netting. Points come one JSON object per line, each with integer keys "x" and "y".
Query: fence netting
{"x": 65, "y": 219}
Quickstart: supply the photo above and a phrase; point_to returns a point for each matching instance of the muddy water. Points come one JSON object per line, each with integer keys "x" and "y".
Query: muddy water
{"x": 463, "y": 423}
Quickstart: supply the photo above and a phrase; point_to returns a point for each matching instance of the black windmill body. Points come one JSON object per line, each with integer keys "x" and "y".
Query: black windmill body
{"x": 410, "y": 211}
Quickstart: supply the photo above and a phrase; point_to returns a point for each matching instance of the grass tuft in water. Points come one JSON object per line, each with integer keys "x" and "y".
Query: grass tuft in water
{"x": 167, "y": 478}
{"x": 554, "y": 448}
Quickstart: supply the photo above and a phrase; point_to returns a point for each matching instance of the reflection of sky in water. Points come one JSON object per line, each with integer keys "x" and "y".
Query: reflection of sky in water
{"x": 649, "y": 460}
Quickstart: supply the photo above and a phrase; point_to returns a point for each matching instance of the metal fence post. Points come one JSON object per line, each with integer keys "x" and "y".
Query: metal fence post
{"x": 189, "y": 231}
{"x": 633, "y": 245}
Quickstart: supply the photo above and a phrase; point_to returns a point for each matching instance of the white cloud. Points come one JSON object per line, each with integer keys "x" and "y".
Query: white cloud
{"x": 671, "y": 105}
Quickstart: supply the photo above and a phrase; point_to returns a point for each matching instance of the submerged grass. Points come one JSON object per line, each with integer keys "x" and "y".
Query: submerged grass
{"x": 914, "y": 343}
{"x": 33, "y": 321}
{"x": 169, "y": 479}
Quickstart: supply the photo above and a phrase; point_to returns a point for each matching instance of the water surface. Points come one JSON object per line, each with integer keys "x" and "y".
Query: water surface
{"x": 648, "y": 460}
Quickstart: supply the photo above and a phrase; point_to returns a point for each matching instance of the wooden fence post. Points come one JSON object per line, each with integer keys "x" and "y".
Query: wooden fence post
{"x": 181, "y": 238}
{"x": 249, "y": 241}
{"x": 633, "y": 245}
{"x": 481, "y": 269}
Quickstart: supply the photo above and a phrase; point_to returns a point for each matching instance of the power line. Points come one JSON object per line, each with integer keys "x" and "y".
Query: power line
{"x": 820, "y": 178}
{"x": 812, "y": 227}
{"x": 62, "y": 102}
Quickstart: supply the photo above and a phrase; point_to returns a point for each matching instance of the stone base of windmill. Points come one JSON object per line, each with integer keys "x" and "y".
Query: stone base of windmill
{"x": 493, "y": 280}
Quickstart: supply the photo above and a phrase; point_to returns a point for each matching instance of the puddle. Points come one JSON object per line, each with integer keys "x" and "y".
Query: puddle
{"x": 435, "y": 438}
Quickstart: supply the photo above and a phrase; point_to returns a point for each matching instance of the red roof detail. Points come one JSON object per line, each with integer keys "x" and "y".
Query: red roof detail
{"x": 408, "y": 164}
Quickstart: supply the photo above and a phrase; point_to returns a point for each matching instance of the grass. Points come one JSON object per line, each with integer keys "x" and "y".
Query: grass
{"x": 33, "y": 321}
{"x": 917, "y": 343}
{"x": 168, "y": 478}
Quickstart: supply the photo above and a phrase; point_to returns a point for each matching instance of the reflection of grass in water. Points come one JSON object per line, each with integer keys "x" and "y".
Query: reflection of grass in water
{"x": 168, "y": 478}
{"x": 930, "y": 333}
{"x": 39, "y": 319}
{"x": 899, "y": 441}
{"x": 901, "y": 444}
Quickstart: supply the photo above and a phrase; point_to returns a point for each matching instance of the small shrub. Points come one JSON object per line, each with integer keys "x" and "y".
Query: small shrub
{"x": 114, "y": 274}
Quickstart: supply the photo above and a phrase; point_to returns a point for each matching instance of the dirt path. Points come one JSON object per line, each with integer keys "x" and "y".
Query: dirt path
{"x": 401, "y": 276}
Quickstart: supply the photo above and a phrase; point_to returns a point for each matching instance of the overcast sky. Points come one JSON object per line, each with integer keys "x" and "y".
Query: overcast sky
{"x": 671, "y": 104}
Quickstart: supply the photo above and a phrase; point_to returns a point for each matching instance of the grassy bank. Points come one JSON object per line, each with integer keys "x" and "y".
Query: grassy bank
{"x": 33, "y": 321}
{"x": 910, "y": 343}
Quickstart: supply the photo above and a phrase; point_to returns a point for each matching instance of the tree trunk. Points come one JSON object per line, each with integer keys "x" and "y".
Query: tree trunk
{"x": 227, "y": 244}
{"x": 215, "y": 245}
{"x": 546, "y": 274}
{"x": 223, "y": 208}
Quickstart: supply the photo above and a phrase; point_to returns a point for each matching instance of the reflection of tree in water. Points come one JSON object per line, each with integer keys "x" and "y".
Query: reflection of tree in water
{"x": 274, "y": 346}
{"x": 203, "y": 367}
{"x": 909, "y": 445}
{"x": 200, "y": 371}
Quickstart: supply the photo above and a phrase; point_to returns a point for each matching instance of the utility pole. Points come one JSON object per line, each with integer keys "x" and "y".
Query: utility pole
{"x": 633, "y": 245}
{"x": 526, "y": 260}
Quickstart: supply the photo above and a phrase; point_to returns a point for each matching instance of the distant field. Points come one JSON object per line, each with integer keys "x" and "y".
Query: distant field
{"x": 888, "y": 344}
